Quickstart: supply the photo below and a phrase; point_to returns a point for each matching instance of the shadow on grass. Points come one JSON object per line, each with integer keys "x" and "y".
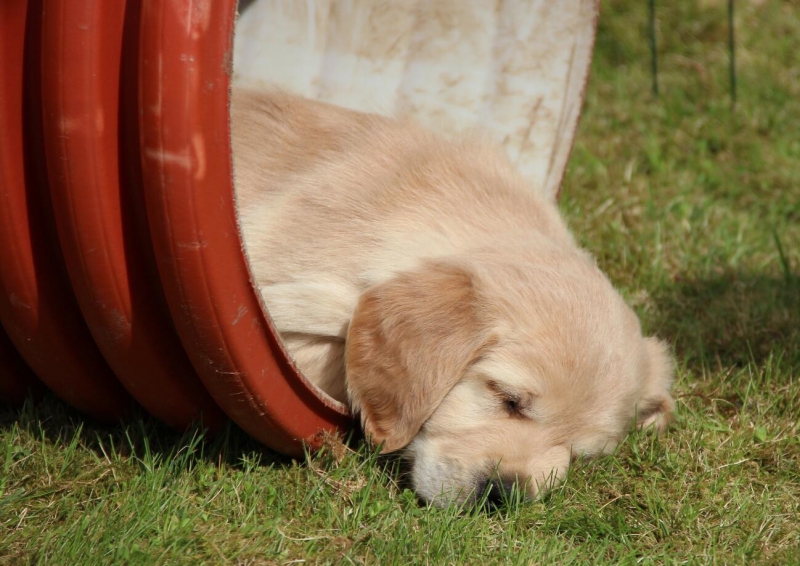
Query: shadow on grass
{"x": 52, "y": 421}
{"x": 732, "y": 320}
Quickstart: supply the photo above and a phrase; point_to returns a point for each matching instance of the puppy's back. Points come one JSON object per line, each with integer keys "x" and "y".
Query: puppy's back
{"x": 322, "y": 189}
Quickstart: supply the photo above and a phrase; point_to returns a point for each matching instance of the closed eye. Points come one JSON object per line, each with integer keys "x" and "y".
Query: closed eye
{"x": 516, "y": 405}
{"x": 513, "y": 407}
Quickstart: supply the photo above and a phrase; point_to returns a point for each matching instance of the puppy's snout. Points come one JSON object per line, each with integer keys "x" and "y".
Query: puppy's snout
{"x": 497, "y": 491}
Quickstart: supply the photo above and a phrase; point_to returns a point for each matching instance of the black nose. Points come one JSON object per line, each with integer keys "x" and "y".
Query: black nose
{"x": 496, "y": 491}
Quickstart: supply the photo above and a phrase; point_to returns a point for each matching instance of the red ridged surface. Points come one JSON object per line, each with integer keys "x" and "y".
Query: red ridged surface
{"x": 185, "y": 66}
{"x": 89, "y": 53}
{"x": 37, "y": 307}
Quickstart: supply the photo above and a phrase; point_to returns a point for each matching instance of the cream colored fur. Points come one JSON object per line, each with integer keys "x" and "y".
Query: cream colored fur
{"x": 424, "y": 283}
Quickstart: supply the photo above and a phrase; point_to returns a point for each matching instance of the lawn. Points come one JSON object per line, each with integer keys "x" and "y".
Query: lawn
{"x": 691, "y": 206}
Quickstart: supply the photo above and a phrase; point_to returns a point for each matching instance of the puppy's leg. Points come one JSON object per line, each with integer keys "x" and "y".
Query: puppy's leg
{"x": 313, "y": 307}
{"x": 321, "y": 360}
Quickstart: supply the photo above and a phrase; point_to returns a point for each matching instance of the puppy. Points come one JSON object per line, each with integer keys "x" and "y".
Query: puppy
{"x": 424, "y": 283}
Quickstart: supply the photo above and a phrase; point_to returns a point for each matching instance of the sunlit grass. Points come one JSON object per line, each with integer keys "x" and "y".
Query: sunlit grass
{"x": 691, "y": 207}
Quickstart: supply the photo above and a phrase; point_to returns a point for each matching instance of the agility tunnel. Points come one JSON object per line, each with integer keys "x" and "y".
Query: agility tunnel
{"x": 124, "y": 280}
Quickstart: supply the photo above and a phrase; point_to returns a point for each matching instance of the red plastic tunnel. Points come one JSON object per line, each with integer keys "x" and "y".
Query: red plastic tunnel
{"x": 122, "y": 275}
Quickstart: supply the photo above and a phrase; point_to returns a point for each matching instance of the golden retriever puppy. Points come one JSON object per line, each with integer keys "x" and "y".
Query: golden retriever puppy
{"x": 423, "y": 282}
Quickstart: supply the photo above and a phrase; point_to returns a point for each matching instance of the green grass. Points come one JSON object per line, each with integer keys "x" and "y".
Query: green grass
{"x": 691, "y": 207}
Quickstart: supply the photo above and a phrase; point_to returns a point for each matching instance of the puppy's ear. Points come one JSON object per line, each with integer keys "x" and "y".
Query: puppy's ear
{"x": 409, "y": 342}
{"x": 656, "y": 406}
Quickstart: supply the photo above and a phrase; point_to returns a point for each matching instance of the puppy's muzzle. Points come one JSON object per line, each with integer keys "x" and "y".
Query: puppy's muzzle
{"x": 497, "y": 491}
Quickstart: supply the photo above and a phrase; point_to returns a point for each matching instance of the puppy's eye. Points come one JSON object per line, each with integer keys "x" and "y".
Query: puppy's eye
{"x": 513, "y": 404}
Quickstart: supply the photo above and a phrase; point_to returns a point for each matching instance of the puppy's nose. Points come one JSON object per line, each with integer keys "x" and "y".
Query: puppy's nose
{"x": 496, "y": 490}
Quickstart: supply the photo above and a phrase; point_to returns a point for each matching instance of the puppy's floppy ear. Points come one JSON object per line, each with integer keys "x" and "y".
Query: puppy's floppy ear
{"x": 656, "y": 405}
{"x": 409, "y": 342}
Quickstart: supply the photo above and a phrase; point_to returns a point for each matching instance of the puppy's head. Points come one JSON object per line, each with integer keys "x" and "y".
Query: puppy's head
{"x": 500, "y": 369}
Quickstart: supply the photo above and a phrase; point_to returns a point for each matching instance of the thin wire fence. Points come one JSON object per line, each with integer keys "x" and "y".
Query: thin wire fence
{"x": 731, "y": 48}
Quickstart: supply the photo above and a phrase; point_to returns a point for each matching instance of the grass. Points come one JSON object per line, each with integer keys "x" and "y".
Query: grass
{"x": 691, "y": 207}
